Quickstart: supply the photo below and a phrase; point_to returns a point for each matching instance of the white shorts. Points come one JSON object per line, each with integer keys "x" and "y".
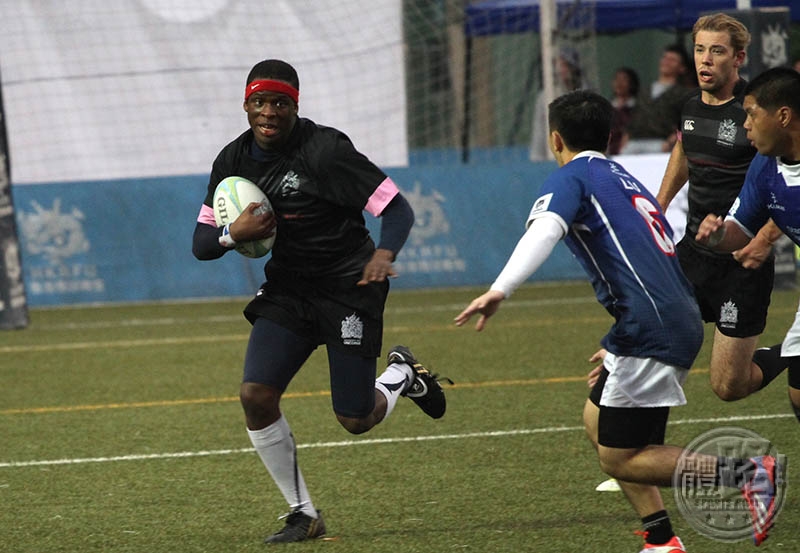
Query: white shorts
{"x": 642, "y": 382}
{"x": 791, "y": 344}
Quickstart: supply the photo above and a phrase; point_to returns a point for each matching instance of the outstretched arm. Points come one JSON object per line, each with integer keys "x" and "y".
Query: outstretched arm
{"x": 532, "y": 250}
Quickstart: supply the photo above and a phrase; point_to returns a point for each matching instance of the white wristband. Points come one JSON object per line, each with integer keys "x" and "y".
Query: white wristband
{"x": 225, "y": 239}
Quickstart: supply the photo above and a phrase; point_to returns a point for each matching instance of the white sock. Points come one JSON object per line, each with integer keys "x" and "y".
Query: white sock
{"x": 275, "y": 445}
{"x": 393, "y": 382}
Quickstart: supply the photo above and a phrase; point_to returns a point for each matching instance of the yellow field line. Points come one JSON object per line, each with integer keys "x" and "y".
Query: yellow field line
{"x": 139, "y": 404}
{"x": 122, "y": 343}
{"x": 288, "y": 395}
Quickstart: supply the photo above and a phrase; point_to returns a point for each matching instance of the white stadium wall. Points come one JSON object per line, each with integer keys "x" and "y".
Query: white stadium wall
{"x": 101, "y": 89}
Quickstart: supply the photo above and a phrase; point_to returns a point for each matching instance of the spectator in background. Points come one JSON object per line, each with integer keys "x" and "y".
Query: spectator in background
{"x": 796, "y": 64}
{"x": 653, "y": 125}
{"x": 674, "y": 68}
{"x": 625, "y": 92}
{"x": 568, "y": 77}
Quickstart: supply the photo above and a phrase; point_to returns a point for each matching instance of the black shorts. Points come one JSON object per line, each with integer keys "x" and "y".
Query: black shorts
{"x": 628, "y": 427}
{"x": 275, "y": 354}
{"x": 334, "y": 312}
{"x": 735, "y": 298}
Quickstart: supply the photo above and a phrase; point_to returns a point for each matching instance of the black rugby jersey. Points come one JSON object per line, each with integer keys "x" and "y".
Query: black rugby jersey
{"x": 319, "y": 185}
{"x": 718, "y": 155}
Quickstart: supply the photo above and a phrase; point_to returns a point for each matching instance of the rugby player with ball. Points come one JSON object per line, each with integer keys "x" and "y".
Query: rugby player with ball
{"x": 326, "y": 281}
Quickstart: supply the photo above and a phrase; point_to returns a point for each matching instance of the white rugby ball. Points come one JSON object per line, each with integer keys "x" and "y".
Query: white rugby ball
{"x": 231, "y": 197}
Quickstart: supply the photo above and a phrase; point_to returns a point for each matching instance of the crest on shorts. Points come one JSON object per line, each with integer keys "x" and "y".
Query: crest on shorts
{"x": 728, "y": 314}
{"x": 352, "y": 330}
{"x": 727, "y": 131}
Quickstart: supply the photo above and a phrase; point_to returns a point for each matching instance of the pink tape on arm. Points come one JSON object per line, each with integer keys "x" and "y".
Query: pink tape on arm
{"x": 206, "y": 216}
{"x": 381, "y": 197}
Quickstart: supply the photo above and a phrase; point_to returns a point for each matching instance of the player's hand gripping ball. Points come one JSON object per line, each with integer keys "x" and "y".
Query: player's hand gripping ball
{"x": 232, "y": 196}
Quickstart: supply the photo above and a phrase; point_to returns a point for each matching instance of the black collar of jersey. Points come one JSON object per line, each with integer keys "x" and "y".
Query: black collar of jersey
{"x": 259, "y": 154}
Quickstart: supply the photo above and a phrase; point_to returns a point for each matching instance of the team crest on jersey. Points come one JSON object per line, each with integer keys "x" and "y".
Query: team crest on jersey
{"x": 290, "y": 184}
{"x": 727, "y": 131}
{"x": 352, "y": 330}
{"x": 728, "y": 315}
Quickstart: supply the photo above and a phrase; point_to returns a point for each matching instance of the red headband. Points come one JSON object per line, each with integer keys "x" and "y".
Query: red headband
{"x": 271, "y": 86}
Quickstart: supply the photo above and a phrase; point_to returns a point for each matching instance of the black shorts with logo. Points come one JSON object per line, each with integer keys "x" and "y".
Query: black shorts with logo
{"x": 334, "y": 312}
{"x": 735, "y": 298}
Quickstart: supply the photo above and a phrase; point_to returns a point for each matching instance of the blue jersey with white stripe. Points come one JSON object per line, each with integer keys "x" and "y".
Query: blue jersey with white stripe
{"x": 618, "y": 232}
{"x": 771, "y": 190}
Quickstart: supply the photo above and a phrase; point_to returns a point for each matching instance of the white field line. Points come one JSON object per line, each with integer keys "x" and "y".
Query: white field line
{"x": 229, "y": 319}
{"x": 349, "y": 443}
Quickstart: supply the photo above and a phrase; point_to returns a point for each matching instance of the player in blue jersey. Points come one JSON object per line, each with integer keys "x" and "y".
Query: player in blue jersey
{"x": 771, "y": 190}
{"x": 326, "y": 280}
{"x": 616, "y": 229}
